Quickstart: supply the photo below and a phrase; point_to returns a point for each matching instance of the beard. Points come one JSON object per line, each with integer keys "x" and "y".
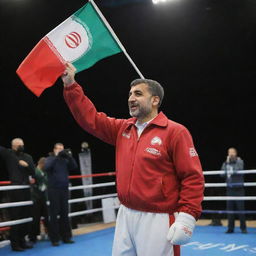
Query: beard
{"x": 138, "y": 111}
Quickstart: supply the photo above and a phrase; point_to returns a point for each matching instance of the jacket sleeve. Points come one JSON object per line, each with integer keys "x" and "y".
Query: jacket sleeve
{"x": 49, "y": 163}
{"x": 72, "y": 165}
{"x": 189, "y": 172}
{"x": 3, "y": 152}
{"x": 86, "y": 115}
{"x": 31, "y": 166}
{"x": 239, "y": 165}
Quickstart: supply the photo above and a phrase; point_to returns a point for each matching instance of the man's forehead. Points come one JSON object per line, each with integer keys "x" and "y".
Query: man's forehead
{"x": 18, "y": 141}
{"x": 141, "y": 86}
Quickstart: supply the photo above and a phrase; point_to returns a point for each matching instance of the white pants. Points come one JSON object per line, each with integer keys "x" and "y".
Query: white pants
{"x": 141, "y": 234}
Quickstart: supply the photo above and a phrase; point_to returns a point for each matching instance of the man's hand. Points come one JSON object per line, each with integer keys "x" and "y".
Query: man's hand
{"x": 23, "y": 163}
{"x": 181, "y": 230}
{"x": 32, "y": 181}
{"x": 68, "y": 76}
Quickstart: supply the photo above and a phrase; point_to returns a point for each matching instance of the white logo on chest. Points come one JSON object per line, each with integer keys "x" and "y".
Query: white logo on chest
{"x": 156, "y": 141}
{"x": 153, "y": 151}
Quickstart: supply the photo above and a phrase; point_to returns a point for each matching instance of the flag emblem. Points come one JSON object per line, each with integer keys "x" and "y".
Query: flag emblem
{"x": 73, "y": 39}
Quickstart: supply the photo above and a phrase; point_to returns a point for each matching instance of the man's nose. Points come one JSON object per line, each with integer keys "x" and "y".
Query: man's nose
{"x": 131, "y": 98}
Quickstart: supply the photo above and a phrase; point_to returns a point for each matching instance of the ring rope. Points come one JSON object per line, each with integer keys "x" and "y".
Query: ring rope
{"x": 223, "y": 198}
{"x": 229, "y": 212}
{"x": 224, "y": 184}
{"x": 223, "y": 172}
{"x": 15, "y": 222}
{"x": 106, "y": 184}
{"x": 83, "y": 199}
{"x": 15, "y": 204}
{"x": 73, "y": 214}
{"x": 13, "y": 187}
{"x": 92, "y": 175}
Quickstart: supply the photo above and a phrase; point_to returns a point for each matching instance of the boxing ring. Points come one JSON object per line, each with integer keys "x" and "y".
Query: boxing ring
{"x": 207, "y": 240}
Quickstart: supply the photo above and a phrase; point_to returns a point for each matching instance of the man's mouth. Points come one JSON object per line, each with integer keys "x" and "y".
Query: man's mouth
{"x": 133, "y": 107}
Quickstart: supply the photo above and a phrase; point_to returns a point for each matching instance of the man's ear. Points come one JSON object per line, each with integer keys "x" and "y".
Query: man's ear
{"x": 156, "y": 100}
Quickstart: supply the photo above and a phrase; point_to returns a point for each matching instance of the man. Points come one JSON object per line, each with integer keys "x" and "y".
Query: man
{"x": 39, "y": 196}
{"x": 21, "y": 171}
{"x": 158, "y": 169}
{"x": 57, "y": 167}
{"x": 235, "y": 187}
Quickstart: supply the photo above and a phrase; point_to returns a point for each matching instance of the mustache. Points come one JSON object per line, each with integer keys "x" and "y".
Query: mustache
{"x": 133, "y": 104}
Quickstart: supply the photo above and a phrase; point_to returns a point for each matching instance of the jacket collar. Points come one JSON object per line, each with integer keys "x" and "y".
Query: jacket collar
{"x": 160, "y": 120}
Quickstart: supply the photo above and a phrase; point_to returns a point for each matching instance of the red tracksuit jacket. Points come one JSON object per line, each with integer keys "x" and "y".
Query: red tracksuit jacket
{"x": 158, "y": 172}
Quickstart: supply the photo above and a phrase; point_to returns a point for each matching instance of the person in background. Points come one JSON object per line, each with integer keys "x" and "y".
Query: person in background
{"x": 39, "y": 197}
{"x": 58, "y": 165}
{"x": 235, "y": 187}
{"x": 21, "y": 171}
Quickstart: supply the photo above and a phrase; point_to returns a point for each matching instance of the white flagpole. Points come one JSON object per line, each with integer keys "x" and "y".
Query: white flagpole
{"x": 116, "y": 38}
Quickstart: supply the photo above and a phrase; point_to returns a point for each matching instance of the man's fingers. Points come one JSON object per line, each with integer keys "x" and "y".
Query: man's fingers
{"x": 70, "y": 67}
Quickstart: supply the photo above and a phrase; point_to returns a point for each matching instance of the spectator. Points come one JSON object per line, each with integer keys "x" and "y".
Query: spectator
{"x": 39, "y": 196}
{"x": 21, "y": 171}
{"x": 235, "y": 187}
{"x": 57, "y": 166}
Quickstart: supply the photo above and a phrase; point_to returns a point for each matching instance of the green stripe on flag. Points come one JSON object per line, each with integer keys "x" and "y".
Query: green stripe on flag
{"x": 102, "y": 44}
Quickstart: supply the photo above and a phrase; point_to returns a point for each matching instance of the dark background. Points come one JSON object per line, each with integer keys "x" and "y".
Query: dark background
{"x": 201, "y": 51}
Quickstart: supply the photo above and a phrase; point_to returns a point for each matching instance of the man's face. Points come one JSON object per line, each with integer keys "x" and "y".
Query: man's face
{"x": 57, "y": 149}
{"x": 17, "y": 144}
{"x": 140, "y": 101}
{"x": 232, "y": 153}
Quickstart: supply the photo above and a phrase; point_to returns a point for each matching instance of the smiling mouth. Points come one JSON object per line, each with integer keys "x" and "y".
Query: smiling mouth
{"x": 133, "y": 108}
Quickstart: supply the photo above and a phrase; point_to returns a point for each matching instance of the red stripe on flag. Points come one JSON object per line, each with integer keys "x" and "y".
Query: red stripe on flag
{"x": 41, "y": 68}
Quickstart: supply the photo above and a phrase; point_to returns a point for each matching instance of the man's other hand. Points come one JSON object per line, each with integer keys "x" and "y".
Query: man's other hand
{"x": 23, "y": 163}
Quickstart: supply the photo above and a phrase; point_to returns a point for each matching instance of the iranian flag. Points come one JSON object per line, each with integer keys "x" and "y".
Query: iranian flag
{"x": 82, "y": 39}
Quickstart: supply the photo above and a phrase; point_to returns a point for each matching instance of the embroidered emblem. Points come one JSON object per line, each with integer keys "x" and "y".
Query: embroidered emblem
{"x": 126, "y": 135}
{"x": 156, "y": 140}
{"x": 187, "y": 231}
{"x": 192, "y": 152}
{"x": 153, "y": 151}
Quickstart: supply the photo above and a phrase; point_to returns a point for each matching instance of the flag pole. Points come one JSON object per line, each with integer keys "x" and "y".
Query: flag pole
{"x": 115, "y": 37}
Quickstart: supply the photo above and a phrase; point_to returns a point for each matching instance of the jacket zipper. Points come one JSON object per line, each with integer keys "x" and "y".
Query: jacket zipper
{"x": 133, "y": 160}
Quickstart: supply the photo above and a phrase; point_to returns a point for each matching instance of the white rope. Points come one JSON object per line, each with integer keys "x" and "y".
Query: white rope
{"x": 106, "y": 184}
{"x": 83, "y": 199}
{"x": 223, "y": 172}
{"x": 73, "y": 214}
{"x": 4, "y": 243}
{"x": 214, "y": 185}
{"x": 15, "y": 222}
{"x": 222, "y": 198}
{"x": 12, "y": 187}
{"x": 15, "y": 204}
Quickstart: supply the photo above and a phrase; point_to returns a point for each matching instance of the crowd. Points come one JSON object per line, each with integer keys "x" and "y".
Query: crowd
{"x": 48, "y": 181}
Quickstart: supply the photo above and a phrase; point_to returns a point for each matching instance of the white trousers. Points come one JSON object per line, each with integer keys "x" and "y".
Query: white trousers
{"x": 141, "y": 234}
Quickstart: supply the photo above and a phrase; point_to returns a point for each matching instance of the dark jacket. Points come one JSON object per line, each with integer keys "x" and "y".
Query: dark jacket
{"x": 17, "y": 174}
{"x": 58, "y": 168}
{"x": 233, "y": 179}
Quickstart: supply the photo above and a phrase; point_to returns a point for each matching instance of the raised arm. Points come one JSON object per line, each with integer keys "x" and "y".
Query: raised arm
{"x": 85, "y": 113}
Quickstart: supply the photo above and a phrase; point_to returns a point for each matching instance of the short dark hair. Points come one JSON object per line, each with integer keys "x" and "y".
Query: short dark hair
{"x": 154, "y": 87}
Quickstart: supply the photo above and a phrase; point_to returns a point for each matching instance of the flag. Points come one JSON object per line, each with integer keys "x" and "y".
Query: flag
{"x": 82, "y": 39}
